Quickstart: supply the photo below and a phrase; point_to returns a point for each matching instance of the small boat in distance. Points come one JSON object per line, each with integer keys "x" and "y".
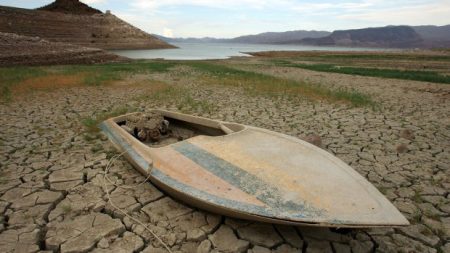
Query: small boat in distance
{"x": 249, "y": 173}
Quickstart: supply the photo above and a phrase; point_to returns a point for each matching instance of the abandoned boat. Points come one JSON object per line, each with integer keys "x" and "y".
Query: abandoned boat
{"x": 248, "y": 172}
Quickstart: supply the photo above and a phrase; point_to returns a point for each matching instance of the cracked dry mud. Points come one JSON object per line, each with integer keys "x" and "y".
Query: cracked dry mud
{"x": 52, "y": 196}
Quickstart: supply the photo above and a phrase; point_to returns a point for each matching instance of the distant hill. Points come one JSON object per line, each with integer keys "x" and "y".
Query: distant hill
{"x": 388, "y": 37}
{"x": 289, "y": 37}
{"x": 434, "y": 36}
{"x": 70, "y": 21}
{"x": 70, "y": 7}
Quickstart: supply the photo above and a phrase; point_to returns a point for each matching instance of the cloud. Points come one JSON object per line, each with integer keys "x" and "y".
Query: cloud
{"x": 168, "y": 32}
{"x": 417, "y": 14}
{"x": 230, "y": 18}
{"x": 218, "y": 4}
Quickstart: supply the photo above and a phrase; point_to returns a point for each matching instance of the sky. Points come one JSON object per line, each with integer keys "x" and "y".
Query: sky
{"x": 231, "y": 18}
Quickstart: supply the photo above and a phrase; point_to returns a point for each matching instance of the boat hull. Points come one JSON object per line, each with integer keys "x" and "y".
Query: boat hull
{"x": 256, "y": 174}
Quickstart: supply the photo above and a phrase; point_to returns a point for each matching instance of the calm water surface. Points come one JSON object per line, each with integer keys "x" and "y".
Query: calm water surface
{"x": 204, "y": 51}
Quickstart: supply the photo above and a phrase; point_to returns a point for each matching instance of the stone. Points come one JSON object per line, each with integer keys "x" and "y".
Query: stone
{"x": 402, "y": 148}
{"x": 35, "y": 178}
{"x": 225, "y": 240}
{"x": 36, "y": 198}
{"x": 430, "y": 210}
{"x": 66, "y": 175}
{"x": 151, "y": 249}
{"x": 8, "y": 185}
{"x": 286, "y": 248}
{"x": 41, "y": 165}
{"x": 195, "y": 235}
{"x": 341, "y": 248}
{"x": 129, "y": 242}
{"x": 103, "y": 243}
{"x": 144, "y": 233}
{"x": 421, "y": 233}
{"x": 446, "y": 228}
{"x": 405, "y": 244}
{"x": 260, "y": 234}
{"x": 188, "y": 222}
{"x": 122, "y": 200}
{"x": 3, "y": 206}
{"x": 361, "y": 246}
{"x": 407, "y": 134}
{"x": 80, "y": 199}
{"x": 16, "y": 193}
{"x": 165, "y": 209}
{"x": 314, "y": 139}
{"x": 147, "y": 193}
{"x": 290, "y": 235}
{"x": 213, "y": 222}
{"x": 22, "y": 238}
{"x": 316, "y": 246}
{"x": 385, "y": 244}
{"x": 204, "y": 247}
{"x": 82, "y": 233}
{"x": 65, "y": 186}
{"x": 445, "y": 248}
{"x": 407, "y": 207}
{"x": 32, "y": 215}
{"x": 259, "y": 249}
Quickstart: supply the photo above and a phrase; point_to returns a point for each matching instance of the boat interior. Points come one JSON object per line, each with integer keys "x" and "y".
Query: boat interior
{"x": 182, "y": 127}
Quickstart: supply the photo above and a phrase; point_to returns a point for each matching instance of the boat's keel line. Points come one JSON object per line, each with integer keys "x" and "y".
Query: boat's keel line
{"x": 250, "y": 184}
{"x": 206, "y": 197}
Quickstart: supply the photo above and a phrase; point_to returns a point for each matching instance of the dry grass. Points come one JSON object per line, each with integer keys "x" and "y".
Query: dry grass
{"x": 47, "y": 83}
{"x": 181, "y": 97}
{"x": 260, "y": 84}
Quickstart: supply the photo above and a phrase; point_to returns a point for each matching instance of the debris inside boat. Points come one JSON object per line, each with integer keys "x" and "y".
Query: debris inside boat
{"x": 248, "y": 172}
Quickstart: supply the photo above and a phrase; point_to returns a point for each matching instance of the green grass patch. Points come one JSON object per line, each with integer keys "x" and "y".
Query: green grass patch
{"x": 91, "y": 75}
{"x": 13, "y": 76}
{"x": 425, "y": 76}
{"x": 256, "y": 83}
{"x": 66, "y": 208}
{"x": 103, "y": 73}
{"x": 411, "y": 57}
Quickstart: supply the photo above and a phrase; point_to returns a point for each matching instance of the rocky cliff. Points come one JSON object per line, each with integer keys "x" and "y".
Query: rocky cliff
{"x": 70, "y": 7}
{"x": 24, "y": 50}
{"x": 104, "y": 31}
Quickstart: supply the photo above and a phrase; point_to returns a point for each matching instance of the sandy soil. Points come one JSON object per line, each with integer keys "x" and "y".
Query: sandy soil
{"x": 51, "y": 195}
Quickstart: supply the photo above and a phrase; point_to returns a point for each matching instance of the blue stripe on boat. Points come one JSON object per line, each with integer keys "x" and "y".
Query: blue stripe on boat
{"x": 249, "y": 183}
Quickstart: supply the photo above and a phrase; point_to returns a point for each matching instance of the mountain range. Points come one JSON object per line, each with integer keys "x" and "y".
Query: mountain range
{"x": 386, "y": 37}
{"x": 262, "y": 38}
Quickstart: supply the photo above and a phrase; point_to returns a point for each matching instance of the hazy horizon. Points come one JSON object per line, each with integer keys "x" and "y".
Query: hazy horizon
{"x": 232, "y": 18}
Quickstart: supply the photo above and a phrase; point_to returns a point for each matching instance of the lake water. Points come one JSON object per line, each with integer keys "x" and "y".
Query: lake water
{"x": 205, "y": 51}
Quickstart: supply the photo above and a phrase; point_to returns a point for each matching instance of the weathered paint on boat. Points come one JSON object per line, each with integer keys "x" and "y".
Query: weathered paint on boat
{"x": 256, "y": 174}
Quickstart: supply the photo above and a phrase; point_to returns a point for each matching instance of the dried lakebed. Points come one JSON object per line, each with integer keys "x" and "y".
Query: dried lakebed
{"x": 51, "y": 182}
